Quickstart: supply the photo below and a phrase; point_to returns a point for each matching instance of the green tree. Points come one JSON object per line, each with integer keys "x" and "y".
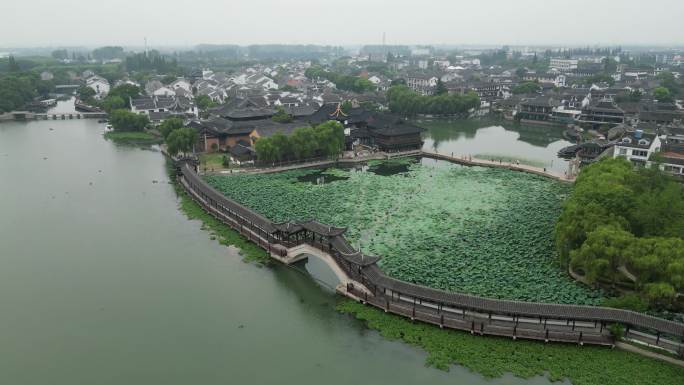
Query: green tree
{"x": 170, "y": 125}
{"x": 108, "y": 53}
{"x": 126, "y": 92}
{"x": 265, "y": 149}
{"x": 346, "y": 106}
{"x": 404, "y": 101}
{"x": 85, "y": 93}
{"x": 168, "y": 79}
{"x": 668, "y": 80}
{"x": 124, "y": 120}
{"x": 326, "y": 139}
{"x": 440, "y": 89}
{"x": 16, "y": 90}
{"x": 60, "y": 54}
{"x": 660, "y": 294}
{"x": 602, "y": 253}
{"x": 13, "y": 66}
{"x": 662, "y": 94}
{"x": 281, "y": 116}
{"x": 526, "y": 88}
{"x": 112, "y": 102}
{"x": 619, "y": 216}
{"x": 181, "y": 140}
{"x": 204, "y": 102}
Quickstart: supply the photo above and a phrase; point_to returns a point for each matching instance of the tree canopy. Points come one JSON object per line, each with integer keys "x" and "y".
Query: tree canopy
{"x": 19, "y": 89}
{"x": 169, "y": 125}
{"x": 342, "y": 82}
{"x": 181, "y": 140}
{"x": 618, "y": 216}
{"x": 281, "y": 116}
{"x": 662, "y": 94}
{"x": 124, "y": 120}
{"x": 526, "y": 88}
{"x": 326, "y": 139}
{"x": 404, "y": 101}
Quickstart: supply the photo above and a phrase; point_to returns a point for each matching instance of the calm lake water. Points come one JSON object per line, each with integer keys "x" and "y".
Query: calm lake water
{"x": 104, "y": 281}
{"x": 537, "y": 145}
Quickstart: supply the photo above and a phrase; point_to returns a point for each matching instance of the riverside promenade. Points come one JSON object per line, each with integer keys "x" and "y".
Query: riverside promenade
{"x": 463, "y": 159}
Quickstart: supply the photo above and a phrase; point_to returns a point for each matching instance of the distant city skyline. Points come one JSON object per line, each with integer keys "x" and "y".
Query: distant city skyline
{"x": 43, "y": 23}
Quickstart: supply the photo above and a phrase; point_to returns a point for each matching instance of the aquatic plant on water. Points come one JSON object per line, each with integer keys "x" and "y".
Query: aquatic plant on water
{"x": 494, "y": 356}
{"x": 469, "y": 229}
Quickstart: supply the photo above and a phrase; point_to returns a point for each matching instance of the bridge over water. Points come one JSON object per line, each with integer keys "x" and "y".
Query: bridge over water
{"x": 27, "y": 115}
{"x": 362, "y": 279}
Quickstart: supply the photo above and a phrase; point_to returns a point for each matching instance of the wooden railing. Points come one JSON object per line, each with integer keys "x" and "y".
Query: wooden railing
{"x": 516, "y": 319}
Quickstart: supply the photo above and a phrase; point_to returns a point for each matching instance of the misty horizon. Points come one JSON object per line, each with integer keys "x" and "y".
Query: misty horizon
{"x": 354, "y": 23}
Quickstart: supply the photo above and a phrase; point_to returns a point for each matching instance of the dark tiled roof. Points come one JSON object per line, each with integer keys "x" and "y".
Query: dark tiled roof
{"x": 240, "y": 150}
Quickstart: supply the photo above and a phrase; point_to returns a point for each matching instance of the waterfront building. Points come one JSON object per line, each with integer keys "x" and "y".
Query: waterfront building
{"x": 537, "y": 109}
{"x": 602, "y": 113}
{"x": 637, "y": 147}
{"x": 100, "y": 85}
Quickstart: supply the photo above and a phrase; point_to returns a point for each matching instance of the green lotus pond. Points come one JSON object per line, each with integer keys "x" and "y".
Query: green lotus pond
{"x": 477, "y": 230}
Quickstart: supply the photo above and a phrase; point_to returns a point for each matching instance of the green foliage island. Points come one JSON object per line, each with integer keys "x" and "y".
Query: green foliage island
{"x": 625, "y": 227}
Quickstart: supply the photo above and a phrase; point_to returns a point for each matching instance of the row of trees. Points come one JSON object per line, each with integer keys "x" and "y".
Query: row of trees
{"x": 342, "y": 82}
{"x": 151, "y": 61}
{"x": 404, "y": 101}
{"x": 118, "y": 98}
{"x": 178, "y": 139}
{"x": 620, "y": 218}
{"x": 19, "y": 89}
{"x": 326, "y": 139}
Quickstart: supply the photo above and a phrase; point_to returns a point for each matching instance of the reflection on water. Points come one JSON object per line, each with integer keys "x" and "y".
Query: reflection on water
{"x": 390, "y": 168}
{"x": 319, "y": 272}
{"x": 320, "y": 176}
{"x": 538, "y": 145}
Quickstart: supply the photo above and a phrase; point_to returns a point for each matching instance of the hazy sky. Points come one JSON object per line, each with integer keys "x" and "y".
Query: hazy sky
{"x": 169, "y": 22}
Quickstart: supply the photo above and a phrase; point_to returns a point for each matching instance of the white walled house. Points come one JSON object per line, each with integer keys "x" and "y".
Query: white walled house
{"x": 422, "y": 84}
{"x": 181, "y": 83}
{"x": 100, "y": 85}
{"x": 637, "y": 147}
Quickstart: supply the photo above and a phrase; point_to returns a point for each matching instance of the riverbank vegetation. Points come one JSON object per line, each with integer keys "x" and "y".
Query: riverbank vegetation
{"x": 492, "y": 356}
{"x": 124, "y": 120}
{"x": 222, "y": 232}
{"x": 624, "y": 227}
{"x": 19, "y": 89}
{"x": 476, "y": 230}
{"x": 132, "y": 137}
{"x": 326, "y": 139}
{"x": 406, "y": 102}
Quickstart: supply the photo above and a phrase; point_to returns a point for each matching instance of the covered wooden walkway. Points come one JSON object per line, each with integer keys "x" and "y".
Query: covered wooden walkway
{"x": 366, "y": 282}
